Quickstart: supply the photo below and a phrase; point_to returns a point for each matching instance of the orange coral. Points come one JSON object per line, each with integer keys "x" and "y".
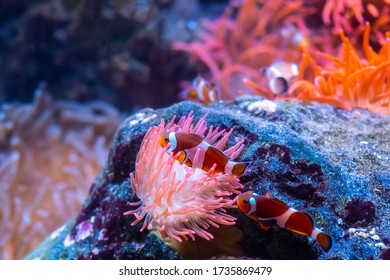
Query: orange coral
{"x": 351, "y": 81}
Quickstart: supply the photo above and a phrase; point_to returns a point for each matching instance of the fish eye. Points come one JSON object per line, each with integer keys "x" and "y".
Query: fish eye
{"x": 245, "y": 201}
{"x": 166, "y": 139}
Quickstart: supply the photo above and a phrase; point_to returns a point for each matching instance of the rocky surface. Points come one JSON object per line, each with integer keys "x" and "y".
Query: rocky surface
{"x": 328, "y": 162}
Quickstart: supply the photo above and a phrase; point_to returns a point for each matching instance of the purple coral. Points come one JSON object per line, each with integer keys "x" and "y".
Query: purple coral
{"x": 385, "y": 255}
{"x": 359, "y": 212}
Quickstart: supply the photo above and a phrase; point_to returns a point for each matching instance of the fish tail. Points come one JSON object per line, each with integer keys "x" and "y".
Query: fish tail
{"x": 239, "y": 168}
{"x": 325, "y": 241}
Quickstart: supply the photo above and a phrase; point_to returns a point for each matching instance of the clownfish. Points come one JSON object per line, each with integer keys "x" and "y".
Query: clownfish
{"x": 201, "y": 91}
{"x": 280, "y": 75}
{"x": 297, "y": 39}
{"x": 187, "y": 145}
{"x": 269, "y": 211}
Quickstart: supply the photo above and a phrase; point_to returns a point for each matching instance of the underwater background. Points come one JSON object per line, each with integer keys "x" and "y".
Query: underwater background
{"x": 305, "y": 84}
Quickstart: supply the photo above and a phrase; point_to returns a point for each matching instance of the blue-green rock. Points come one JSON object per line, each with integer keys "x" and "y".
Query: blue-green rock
{"x": 331, "y": 163}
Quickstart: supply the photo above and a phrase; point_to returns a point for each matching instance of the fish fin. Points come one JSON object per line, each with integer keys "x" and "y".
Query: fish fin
{"x": 188, "y": 162}
{"x": 191, "y": 94}
{"x": 182, "y": 157}
{"x": 264, "y": 227}
{"x": 325, "y": 241}
{"x": 239, "y": 168}
{"x": 300, "y": 222}
{"x": 267, "y": 194}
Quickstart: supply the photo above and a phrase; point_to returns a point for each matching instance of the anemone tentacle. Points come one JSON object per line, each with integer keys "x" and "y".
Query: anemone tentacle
{"x": 177, "y": 200}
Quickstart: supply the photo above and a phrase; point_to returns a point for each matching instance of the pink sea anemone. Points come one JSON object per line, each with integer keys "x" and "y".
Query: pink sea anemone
{"x": 51, "y": 151}
{"x": 177, "y": 200}
{"x": 341, "y": 13}
{"x": 234, "y": 47}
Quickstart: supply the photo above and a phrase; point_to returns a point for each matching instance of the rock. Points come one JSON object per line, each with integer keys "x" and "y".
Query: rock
{"x": 331, "y": 163}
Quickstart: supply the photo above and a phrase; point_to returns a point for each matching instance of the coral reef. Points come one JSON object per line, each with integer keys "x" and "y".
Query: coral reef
{"x": 314, "y": 157}
{"x": 50, "y": 152}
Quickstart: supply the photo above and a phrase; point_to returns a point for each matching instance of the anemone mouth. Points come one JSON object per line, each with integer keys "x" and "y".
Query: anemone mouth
{"x": 177, "y": 200}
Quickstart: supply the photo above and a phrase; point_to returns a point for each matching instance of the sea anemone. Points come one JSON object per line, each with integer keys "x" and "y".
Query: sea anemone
{"x": 350, "y": 81}
{"x": 235, "y": 47}
{"x": 341, "y": 13}
{"x": 177, "y": 200}
{"x": 50, "y": 153}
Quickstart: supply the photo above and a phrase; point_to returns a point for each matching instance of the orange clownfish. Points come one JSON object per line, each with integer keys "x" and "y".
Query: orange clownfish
{"x": 297, "y": 39}
{"x": 270, "y": 211}
{"x": 201, "y": 91}
{"x": 187, "y": 145}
